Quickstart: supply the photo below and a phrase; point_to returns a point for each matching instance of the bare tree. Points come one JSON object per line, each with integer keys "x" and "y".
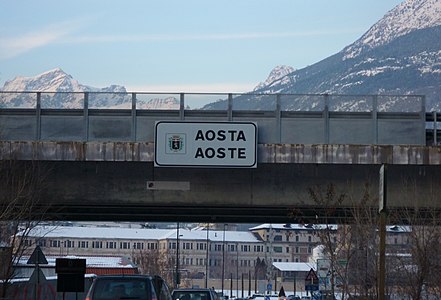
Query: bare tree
{"x": 20, "y": 209}
{"x": 418, "y": 273}
{"x": 351, "y": 247}
{"x": 154, "y": 261}
{"x": 328, "y": 200}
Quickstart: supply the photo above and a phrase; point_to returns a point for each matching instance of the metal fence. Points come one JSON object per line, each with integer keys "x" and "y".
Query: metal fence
{"x": 281, "y": 118}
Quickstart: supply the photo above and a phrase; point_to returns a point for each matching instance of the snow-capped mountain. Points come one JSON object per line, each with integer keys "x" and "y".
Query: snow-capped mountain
{"x": 276, "y": 76}
{"x": 399, "y": 55}
{"x": 60, "y": 90}
{"x": 403, "y": 19}
{"x": 55, "y": 80}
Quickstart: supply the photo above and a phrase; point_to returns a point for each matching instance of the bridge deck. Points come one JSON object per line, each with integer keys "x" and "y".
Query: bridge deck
{"x": 101, "y": 161}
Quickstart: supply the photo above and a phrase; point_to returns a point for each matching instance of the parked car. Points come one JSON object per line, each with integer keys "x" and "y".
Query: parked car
{"x": 194, "y": 294}
{"x": 142, "y": 287}
{"x": 293, "y": 297}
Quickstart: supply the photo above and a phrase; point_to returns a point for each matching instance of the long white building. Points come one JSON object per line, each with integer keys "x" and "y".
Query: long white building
{"x": 228, "y": 252}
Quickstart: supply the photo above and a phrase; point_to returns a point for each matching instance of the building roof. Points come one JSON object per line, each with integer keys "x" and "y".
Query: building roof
{"x": 389, "y": 228}
{"x": 91, "y": 261}
{"x": 140, "y": 234}
{"x": 294, "y": 226}
{"x": 98, "y": 232}
{"x": 117, "y": 233}
{"x": 293, "y": 266}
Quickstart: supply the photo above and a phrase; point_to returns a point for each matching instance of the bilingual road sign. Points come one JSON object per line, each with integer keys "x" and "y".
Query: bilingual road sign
{"x": 206, "y": 144}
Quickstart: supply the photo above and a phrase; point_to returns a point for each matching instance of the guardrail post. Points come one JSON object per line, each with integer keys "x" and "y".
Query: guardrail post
{"x": 375, "y": 119}
{"x": 133, "y": 117}
{"x": 181, "y": 106}
{"x": 278, "y": 118}
{"x": 38, "y": 116}
{"x": 86, "y": 116}
{"x": 326, "y": 118}
{"x": 230, "y": 107}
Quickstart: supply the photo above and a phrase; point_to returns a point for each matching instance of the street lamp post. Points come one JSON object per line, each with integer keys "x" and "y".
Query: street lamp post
{"x": 207, "y": 259}
{"x": 237, "y": 269}
{"x": 223, "y": 260}
{"x": 178, "y": 279}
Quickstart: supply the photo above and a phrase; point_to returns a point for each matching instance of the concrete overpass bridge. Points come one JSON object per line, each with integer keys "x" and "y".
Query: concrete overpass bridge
{"x": 103, "y": 162}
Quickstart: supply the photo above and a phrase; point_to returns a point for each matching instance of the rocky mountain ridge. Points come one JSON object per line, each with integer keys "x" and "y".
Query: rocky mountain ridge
{"x": 61, "y": 90}
{"x": 399, "y": 55}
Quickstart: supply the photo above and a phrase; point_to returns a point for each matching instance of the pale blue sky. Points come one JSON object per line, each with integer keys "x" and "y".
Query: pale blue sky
{"x": 179, "y": 45}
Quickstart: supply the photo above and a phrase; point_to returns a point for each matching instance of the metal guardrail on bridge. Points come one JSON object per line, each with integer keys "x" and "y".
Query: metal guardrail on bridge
{"x": 281, "y": 118}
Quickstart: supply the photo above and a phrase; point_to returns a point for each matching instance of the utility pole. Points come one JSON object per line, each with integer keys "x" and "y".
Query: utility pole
{"x": 223, "y": 259}
{"x": 383, "y": 214}
{"x": 207, "y": 260}
{"x": 178, "y": 278}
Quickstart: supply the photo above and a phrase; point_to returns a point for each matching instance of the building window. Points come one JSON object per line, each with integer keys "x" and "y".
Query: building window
{"x": 68, "y": 244}
{"x": 55, "y": 244}
{"x": 278, "y": 249}
{"x": 297, "y": 249}
{"x": 111, "y": 245}
{"x": 138, "y": 245}
{"x": 287, "y": 249}
{"x": 83, "y": 244}
{"x": 278, "y": 238}
{"x": 97, "y": 244}
{"x": 41, "y": 242}
{"x": 124, "y": 245}
{"x": 201, "y": 246}
{"x": 297, "y": 238}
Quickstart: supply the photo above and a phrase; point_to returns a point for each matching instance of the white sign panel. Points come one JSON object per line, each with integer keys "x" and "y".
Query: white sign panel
{"x": 206, "y": 144}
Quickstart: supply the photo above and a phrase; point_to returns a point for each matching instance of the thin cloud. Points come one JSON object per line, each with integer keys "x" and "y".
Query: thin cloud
{"x": 13, "y": 46}
{"x": 194, "y": 88}
{"x": 201, "y": 37}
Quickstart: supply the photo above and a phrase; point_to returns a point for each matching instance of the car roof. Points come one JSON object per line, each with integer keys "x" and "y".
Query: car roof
{"x": 193, "y": 289}
{"x": 133, "y": 276}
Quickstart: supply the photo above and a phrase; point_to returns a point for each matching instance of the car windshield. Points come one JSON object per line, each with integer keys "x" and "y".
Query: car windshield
{"x": 190, "y": 295}
{"x": 122, "y": 288}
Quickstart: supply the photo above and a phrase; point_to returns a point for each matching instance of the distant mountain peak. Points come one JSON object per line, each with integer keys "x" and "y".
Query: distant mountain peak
{"x": 276, "y": 75}
{"x": 56, "y": 80}
{"x": 406, "y": 17}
